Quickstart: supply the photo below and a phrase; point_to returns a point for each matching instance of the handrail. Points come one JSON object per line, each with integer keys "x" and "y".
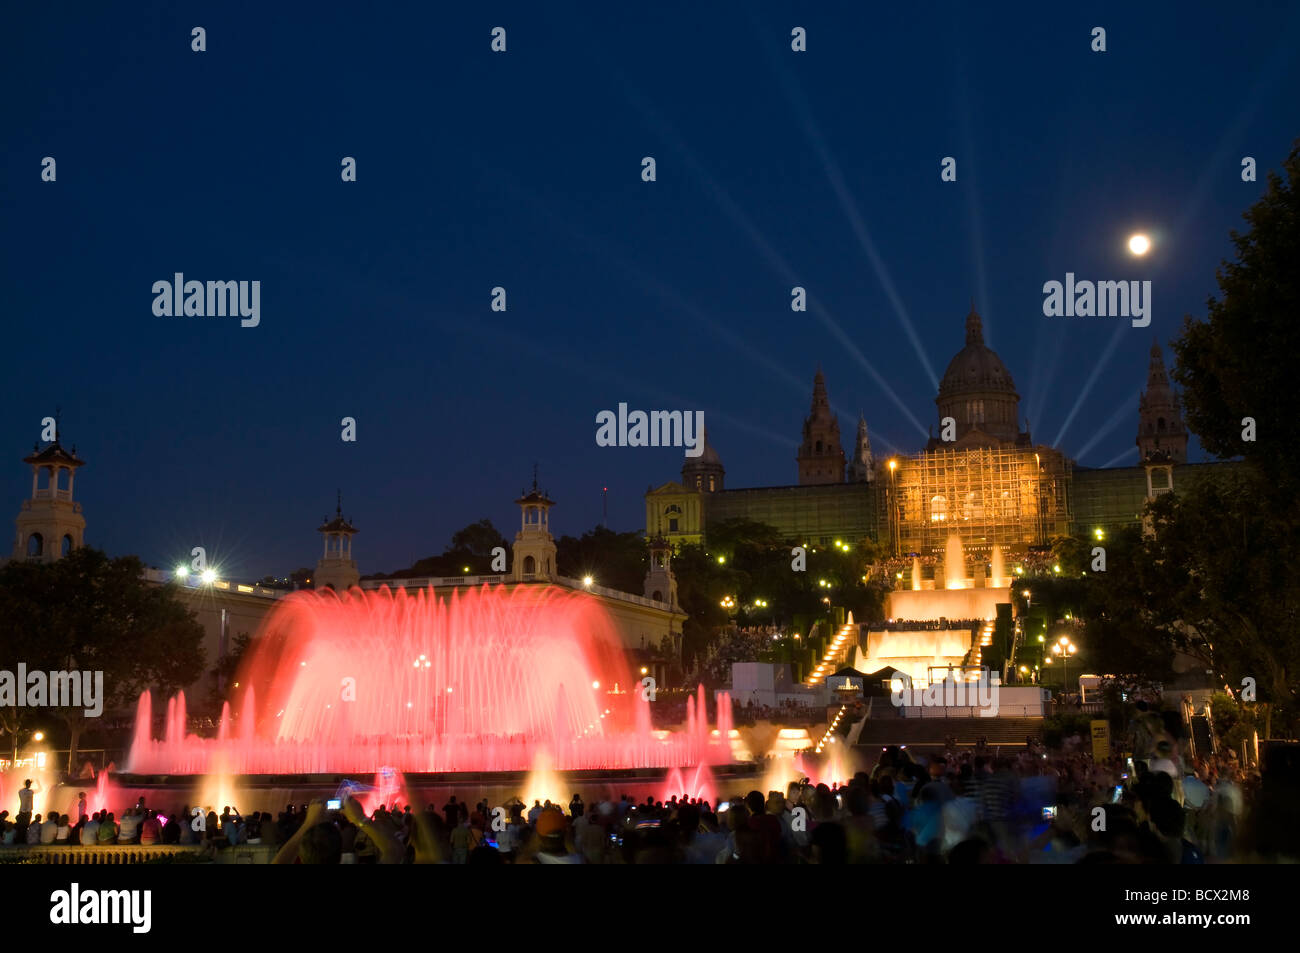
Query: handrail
{"x": 97, "y": 854}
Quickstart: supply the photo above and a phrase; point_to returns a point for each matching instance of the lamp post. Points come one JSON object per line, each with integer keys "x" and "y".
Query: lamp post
{"x": 896, "y": 532}
{"x": 1064, "y": 648}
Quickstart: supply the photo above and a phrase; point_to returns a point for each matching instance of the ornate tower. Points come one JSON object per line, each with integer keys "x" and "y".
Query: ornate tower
{"x": 704, "y": 473}
{"x": 977, "y": 392}
{"x": 660, "y": 583}
{"x": 862, "y": 466}
{"x": 336, "y": 569}
{"x": 534, "y": 548}
{"x": 50, "y": 524}
{"x": 821, "y": 458}
{"x": 1160, "y": 421}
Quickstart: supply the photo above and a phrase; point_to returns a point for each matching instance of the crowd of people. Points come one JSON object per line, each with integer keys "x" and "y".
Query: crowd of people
{"x": 957, "y": 807}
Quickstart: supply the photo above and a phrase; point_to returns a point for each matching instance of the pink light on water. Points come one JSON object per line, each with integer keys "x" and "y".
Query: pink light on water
{"x": 483, "y": 680}
{"x": 699, "y": 786}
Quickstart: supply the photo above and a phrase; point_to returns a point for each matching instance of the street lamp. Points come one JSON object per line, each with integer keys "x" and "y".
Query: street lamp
{"x": 1064, "y": 648}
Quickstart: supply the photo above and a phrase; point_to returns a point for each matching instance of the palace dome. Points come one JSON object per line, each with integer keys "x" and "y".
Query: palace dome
{"x": 975, "y": 369}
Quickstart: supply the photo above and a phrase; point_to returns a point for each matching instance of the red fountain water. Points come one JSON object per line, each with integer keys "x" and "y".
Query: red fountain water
{"x": 489, "y": 679}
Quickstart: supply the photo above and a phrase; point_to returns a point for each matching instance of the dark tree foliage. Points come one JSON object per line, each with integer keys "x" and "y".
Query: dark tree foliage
{"x": 86, "y": 612}
{"x": 1239, "y": 362}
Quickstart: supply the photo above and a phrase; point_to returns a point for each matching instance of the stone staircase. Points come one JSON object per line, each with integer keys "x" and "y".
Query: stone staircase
{"x": 838, "y": 653}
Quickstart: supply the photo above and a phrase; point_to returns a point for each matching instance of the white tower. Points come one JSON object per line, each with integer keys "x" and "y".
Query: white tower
{"x": 660, "y": 583}
{"x": 50, "y": 524}
{"x": 534, "y": 548}
{"x": 336, "y": 569}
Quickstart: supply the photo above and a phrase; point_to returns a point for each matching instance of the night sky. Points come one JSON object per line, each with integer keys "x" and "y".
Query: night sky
{"x": 523, "y": 169}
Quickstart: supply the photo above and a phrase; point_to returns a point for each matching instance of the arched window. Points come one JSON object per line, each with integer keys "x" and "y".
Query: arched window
{"x": 530, "y": 565}
{"x": 67, "y": 545}
{"x": 35, "y": 545}
{"x": 711, "y": 487}
{"x": 1160, "y": 425}
{"x": 938, "y": 508}
{"x": 657, "y": 596}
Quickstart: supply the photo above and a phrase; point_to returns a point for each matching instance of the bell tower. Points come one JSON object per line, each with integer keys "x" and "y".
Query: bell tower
{"x": 1160, "y": 421}
{"x": 821, "y": 458}
{"x": 336, "y": 569}
{"x": 862, "y": 469}
{"x": 660, "y": 583}
{"x": 534, "y": 548}
{"x": 50, "y": 524}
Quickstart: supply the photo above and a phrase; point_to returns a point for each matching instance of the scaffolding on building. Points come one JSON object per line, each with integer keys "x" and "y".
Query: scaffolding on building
{"x": 1012, "y": 498}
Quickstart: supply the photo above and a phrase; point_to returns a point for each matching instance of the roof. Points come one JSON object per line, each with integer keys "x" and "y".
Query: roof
{"x": 54, "y": 455}
{"x": 975, "y": 368}
{"x": 338, "y": 525}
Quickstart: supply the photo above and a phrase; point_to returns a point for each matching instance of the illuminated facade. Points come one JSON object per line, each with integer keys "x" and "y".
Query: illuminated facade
{"x": 982, "y": 477}
{"x": 1007, "y": 497}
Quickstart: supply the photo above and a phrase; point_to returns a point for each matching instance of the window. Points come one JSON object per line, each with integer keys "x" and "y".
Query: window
{"x": 672, "y": 526}
{"x": 530, "y": 565}
{"x": 67, "y": 545}
{"x": 657, "y": 596}
{"x": 938, "y": 508}
{"x": 35, "y": 545}
{"x": 711, "y": 487}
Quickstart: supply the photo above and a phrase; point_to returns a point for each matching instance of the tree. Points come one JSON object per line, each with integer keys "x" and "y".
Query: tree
{"x": 469, "y": 553}
{"x": 1223, "y": 583}
{"x": 1238, "y": 363}
{"x": 1228, "y": 545}
{"x": 477, "y": 539}
{"x": 615, "y": 560}
{"x": 88, "y": 613}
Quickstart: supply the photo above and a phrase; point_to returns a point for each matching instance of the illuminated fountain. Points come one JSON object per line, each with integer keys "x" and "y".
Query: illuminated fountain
{"x": 487, "y": 679}
{"x": 954, "y": 564}
{"x": 960, "y": 599}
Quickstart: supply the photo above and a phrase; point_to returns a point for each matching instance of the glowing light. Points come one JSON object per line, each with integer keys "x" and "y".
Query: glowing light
{"x": 182, "y": 572}
{"x": 209, "y": 575}
{"x": 39, "y": 736}
{"x": 587, "y": 581}
{"x": 721, "y": 560}
{"x": 1139, "y": 244}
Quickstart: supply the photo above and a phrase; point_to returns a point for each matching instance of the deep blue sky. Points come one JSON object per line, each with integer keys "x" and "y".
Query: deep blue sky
{"x": 523, "y": 169}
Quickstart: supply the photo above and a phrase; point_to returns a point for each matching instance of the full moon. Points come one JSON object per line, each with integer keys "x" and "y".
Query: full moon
{"x": 1139, "y": 244}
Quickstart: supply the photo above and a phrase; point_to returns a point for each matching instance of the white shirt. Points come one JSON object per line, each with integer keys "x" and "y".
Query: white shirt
{"x": 90, "y": 832}
{"x": 25, "y": 800}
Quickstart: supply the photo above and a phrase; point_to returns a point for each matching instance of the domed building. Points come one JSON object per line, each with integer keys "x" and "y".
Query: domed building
{"x": 979, "y": 477}
{"x": 977, "y": 392}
